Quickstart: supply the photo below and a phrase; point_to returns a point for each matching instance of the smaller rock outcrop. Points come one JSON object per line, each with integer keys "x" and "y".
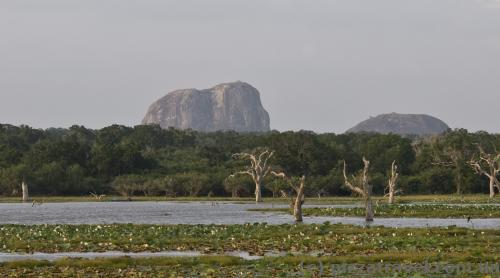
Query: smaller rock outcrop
{"x": 402, "y": 124}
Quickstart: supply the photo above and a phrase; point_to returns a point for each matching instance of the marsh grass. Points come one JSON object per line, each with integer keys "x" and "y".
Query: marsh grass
{"x": 313, "y": 244}
{"x": 223, "y": 266}
{"x": 257, "y": 239}
{"x": 405, "y": 210}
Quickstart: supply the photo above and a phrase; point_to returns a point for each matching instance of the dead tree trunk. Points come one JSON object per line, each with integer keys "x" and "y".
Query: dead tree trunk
{"x": 369, "y": 215}
{"x": 488, "y": 165}
{"x": 24, "y": 187}
{"x": 368, "y": 203}
{"x": 299, "y": 200}
{"x": 258, "y": 168}
{"x": 296, "y": 204}
{"x": 391, "y": 184}
{"x": 492, "y": 188}
{"x": 258, "y": 186}
{"x": 364, "y": 188}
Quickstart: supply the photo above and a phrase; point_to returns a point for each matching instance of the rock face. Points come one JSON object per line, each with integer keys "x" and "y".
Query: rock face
{"x": 230, "y": 106}
{"x": 402, "y": 124}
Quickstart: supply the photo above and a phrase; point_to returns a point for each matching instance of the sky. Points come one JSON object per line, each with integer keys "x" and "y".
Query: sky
{"x": 321, "y": 65}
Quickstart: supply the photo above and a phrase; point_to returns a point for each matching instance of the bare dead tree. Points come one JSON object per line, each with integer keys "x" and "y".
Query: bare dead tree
{"x": 96, "y": 196}
{"x": 488, "y": 164}
{"x": 392, "y": 182}
{"x": 24, "y": 187}
{"x": 296, "y": 203}
{"x": 258, "y": 168}
{"x": 363, "y": 188}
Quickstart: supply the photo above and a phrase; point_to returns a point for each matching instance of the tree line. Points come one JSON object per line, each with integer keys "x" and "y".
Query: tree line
{"x": 148, "y": 160}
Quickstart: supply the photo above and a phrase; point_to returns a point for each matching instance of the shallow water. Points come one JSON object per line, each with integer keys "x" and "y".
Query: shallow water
{"x": 194, "y": 213}
{"x": 11, "y": 257}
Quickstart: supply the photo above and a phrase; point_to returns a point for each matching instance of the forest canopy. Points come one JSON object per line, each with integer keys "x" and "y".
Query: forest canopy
{"x": 148, "y": 160}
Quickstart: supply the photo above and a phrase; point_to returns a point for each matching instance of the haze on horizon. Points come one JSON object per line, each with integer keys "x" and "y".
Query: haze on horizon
{"x": 322, "y": 66}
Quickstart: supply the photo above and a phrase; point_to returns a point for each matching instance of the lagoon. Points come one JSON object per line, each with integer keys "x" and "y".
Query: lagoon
{"x": 173, "y": 212}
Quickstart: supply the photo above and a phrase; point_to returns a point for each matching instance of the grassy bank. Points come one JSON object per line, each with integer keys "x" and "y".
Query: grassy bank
{"x": 449, "y": 199}
{"x": 405, "y": 210}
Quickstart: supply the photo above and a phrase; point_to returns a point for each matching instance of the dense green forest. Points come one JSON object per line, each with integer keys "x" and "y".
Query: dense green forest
{"x": 148, "y": 160}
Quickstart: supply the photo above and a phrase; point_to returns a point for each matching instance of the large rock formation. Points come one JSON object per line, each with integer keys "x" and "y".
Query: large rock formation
{"x": 230, "y": 106}
{"x": 402, "y": 124}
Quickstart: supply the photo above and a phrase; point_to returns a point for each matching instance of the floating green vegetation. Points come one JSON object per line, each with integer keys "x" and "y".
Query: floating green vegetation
{"x": 393, "y": 265}
{"x": 406, "y": 210}
{"x": 257, "y": 239}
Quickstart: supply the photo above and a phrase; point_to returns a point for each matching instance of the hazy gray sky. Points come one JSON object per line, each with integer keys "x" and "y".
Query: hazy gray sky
{"x": 319, "y": 65}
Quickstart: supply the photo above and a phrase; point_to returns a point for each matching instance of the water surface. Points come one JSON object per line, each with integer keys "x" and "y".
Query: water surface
{"x": 195, "y": 213}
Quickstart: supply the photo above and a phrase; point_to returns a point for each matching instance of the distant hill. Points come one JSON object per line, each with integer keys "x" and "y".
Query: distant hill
{"x": 402, "y": 124}
{"x": 230, "y": 106}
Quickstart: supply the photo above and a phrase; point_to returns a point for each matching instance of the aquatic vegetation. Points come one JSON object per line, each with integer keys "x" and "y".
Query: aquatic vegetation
{"x": 256, "y": 238}
{"x": 306, "y": 248}
{"x": 407, "y": 210}
{"x": 223, "y": 266}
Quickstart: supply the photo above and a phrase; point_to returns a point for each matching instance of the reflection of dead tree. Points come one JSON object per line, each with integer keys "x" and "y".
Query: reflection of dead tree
{"x": 364, "y": 188}
{"x": 489, "y": 165}
{"x": 36, "y": 203}
{"x": 258, "y": 168}
{"x": 391, "y": 183}
{"x": 283, "y": 194}
{"x": 299, "y": 191}
{"x": 97, "y": 197}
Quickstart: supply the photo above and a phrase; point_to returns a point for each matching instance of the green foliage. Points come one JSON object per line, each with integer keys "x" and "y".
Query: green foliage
{"x": 383, "y": 150}
{"x": 240, "y": 185}
{"x": 276, "y": 185}
{"x": 192, "y": 183}
{"x": 172, "y": 162}
{"x": 301, "y": 153}
{"x": 11, "y": 177}
{"x": 127, "y": 185}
